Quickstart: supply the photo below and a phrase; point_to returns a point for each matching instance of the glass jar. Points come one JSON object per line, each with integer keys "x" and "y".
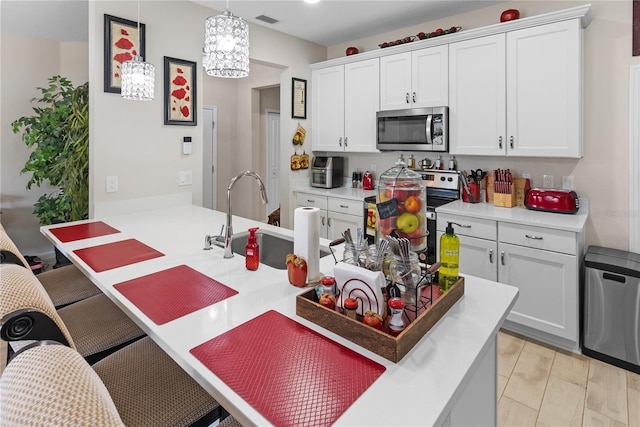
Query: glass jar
{"x": 407, "y": 275}
{"x": 356, "y": 255}
{"x": 402, "y": 206}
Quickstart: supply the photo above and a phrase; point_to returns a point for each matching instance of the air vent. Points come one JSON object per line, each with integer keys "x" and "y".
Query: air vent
{"x": 266, "y": 19}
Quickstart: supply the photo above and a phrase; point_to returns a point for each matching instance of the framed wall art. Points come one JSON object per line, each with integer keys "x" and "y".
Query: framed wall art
{"x": 120, "y": 45}
{"x": 636, "y": 28}
{"x": 298, "y": 98}
{"x": 179, "y": 92}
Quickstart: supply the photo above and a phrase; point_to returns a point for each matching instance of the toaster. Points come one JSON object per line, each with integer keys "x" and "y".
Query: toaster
{"x": 547, "y": 200}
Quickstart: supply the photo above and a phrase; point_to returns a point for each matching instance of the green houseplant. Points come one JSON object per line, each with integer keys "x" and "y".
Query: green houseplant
{"x": 58, "y": 132}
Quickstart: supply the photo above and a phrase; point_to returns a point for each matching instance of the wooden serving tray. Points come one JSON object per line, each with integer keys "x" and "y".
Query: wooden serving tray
{"x": 390, "y": 347}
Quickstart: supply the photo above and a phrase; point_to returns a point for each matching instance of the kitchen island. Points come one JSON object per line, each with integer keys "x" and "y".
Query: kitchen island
{"x": 448, "y": 378}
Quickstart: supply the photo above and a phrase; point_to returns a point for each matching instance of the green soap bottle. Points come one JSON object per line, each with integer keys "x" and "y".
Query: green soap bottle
{"x": 449, "y": 257}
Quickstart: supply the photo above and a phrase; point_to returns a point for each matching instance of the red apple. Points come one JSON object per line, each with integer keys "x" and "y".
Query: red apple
{"x": 328, "y": 301}
{"x": 373, "y": 319}
{"x": 352, "y": 50}
{"x": 509, "y": 15}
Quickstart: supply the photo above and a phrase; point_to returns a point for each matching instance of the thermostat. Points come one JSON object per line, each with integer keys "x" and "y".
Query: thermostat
{"x": 186, "y": 145}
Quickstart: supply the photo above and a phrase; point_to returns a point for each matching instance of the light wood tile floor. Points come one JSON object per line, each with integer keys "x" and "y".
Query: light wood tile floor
{"x": 542, "y": 386}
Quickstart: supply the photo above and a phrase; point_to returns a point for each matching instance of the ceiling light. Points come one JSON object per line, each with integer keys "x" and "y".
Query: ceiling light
{"x": 138, "y": 77}
{"x": 226, "y": 46}
{"x": 311, "y": 1}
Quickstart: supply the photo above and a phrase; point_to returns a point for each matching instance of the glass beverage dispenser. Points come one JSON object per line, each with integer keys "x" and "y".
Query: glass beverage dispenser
{"x": 402, "y": 206}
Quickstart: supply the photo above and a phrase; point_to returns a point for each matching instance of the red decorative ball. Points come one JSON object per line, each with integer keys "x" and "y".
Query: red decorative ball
{"x": 352, "y": 50}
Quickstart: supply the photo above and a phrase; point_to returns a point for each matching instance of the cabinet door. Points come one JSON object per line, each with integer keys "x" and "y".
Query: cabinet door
{"x": 361, "y": 102}
{"x": 430, "y": 77}
{"x": 477, "y": 100}
{"x": 478, "y": 257}
{"x": 544, "y": 90}
{"x": 338, "y": 223}
{"x": 395, "y": 81}
{"x": 327, "y": 107}
{"x": 548, "y": 284}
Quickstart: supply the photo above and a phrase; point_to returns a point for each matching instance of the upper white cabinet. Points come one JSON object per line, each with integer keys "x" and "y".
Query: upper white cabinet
{"x": 518, "y": 93}
{"x": 345, "y": 99}
{"x": 415, "y": 79}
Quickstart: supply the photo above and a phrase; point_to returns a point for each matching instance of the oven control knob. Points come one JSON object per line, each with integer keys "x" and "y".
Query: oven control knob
{"x": 450, "y": 179}
{"x": 442, "y": 178}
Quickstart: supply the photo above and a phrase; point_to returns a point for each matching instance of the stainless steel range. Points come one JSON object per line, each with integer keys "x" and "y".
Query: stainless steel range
{"x": 442, "y": 187}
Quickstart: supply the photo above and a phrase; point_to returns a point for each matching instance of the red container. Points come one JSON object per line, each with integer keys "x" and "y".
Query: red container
{"x": 474, "y": 188}
{"x": 367, "y": 181}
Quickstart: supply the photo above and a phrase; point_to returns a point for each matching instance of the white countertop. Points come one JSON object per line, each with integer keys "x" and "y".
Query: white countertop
{"x": 519, "y": 215}
{"x": 339, "y": 192}
{"x": 421, "y": 388}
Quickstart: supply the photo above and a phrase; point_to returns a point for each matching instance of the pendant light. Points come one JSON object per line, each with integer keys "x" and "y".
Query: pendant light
{"x": 138, "y": 77}
{"x": 226, "y": 46}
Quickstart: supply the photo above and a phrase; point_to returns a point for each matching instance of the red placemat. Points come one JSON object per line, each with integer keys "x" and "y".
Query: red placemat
{"x": 289, "y": 373}
{"x": 169, "y": 294}
{"x": 70, "y": 233}
{"x": 116, "y": 254}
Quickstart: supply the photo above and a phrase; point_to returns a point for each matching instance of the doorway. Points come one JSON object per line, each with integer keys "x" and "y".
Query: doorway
{"x": 209, "y": 157}
{"x": 273, "y": 160}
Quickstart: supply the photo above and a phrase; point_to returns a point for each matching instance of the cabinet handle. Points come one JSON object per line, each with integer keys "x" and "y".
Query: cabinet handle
{"x": 322, "y": 220}
{"x": 414, "y": 97}
{"x": 511, "y": 141}
{"x": 463, "y": 225}
{"x": 500, "y": 142}
{"x": 533, "y": 237}
{"x": 406, "y": 97}
{"x": 310, "y": 201}
{"x": 328, "y": 222}
{"x": 502, "y": 257}
{"x": 491, "y": 256}
{"x": 344, "y": 206}
{"x": 346, "y": 139}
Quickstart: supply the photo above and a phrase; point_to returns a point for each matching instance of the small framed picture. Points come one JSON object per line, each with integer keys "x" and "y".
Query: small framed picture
{"x": 179, "y": 92}
{"x": 120, "y": 45}
{"x": 298, "y": 98}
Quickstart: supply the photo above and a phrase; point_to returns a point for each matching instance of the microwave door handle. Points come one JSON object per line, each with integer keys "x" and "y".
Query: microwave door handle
{"x": 429, "y": 136}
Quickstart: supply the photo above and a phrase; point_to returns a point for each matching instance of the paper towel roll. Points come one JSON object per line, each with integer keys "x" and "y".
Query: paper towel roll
{"x": 306, "y": 240}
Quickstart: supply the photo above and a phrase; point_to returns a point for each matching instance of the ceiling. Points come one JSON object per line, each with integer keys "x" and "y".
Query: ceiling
{"x": 326, "y": 23}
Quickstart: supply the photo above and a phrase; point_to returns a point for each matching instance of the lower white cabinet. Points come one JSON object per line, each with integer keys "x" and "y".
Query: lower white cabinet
{"x": 336, "y": 214}
{"x": 542, "y": 263}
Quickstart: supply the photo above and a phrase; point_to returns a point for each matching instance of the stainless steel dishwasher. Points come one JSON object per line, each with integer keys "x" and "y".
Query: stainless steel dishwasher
{"x": 611, "y": 310}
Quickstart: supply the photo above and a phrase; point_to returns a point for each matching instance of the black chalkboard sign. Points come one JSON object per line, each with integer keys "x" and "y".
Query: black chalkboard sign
{"x": 388, "y": 209}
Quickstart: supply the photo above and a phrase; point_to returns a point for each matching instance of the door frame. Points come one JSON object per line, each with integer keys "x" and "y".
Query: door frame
{"x": 268, "y": 160}
{"x": 210, "y": 158}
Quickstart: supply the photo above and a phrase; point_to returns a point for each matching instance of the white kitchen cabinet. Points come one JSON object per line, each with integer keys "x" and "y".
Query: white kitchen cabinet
{"x": 518, "y": 93}
{"x": 345, "y": 100}
{"x": 415, "y": 79}
{"x": 336, "y": 214}
{"x": 543, "y": 263}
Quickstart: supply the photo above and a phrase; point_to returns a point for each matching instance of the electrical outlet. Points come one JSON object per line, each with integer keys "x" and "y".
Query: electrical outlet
{"x": 526, "y": 175}
{"x": 112, "y": 184}
{"x": 567, "y": 182}
{"x": 185, "y": 178}
{"x": 548, "y": 181}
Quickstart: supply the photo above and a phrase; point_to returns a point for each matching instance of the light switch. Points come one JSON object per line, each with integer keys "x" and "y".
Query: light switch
{"x": 184, "y": 178}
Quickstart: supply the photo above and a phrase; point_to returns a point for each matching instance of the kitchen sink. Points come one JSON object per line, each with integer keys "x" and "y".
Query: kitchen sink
{"x": 274, "y": 248}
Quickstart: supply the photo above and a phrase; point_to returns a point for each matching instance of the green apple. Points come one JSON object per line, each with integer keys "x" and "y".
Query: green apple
{"x": 407, "y": 222}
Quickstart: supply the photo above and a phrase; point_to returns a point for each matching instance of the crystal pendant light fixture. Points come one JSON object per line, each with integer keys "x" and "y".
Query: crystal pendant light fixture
{"x": 138, "y": 77}
{"x": 226, "y": 46}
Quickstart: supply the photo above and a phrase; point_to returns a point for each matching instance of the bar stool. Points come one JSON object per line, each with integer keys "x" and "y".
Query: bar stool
{"x": 64, "y": 285}
{"x": 146, "y": 385}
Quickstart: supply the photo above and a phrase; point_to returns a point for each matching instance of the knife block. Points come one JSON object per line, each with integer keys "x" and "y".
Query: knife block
{"x": 505, "y": 200}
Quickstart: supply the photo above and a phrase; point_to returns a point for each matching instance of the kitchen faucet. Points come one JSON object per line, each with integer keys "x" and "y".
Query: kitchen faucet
{"x": 228, "y": 229}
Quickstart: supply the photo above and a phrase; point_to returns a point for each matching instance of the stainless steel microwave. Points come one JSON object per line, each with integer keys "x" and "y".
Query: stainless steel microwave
{"x": 415, "y": 129}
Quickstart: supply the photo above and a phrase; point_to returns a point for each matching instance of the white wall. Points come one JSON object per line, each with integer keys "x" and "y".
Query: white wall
{"x": 602, "y": 174}
{"x": 128, "y": 138}
{"x": 27, "y": 63}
